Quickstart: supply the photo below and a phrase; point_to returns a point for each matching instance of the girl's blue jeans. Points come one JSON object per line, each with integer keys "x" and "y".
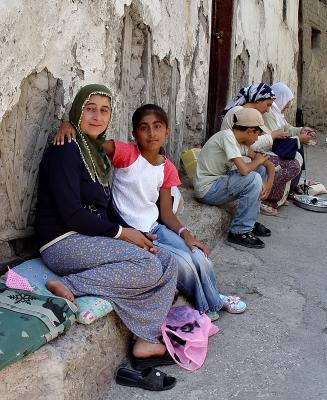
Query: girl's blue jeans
{"x": 196, "y": 276}
{"x": 246, "y": 188}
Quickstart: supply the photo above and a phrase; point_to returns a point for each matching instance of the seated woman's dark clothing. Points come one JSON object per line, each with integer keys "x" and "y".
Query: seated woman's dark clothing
{"x": 68, "y": 199}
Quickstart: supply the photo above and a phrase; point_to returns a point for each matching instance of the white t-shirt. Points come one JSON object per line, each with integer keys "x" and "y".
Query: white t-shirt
{"x": 137, "y": 183}
{"x": 215, "y": 160}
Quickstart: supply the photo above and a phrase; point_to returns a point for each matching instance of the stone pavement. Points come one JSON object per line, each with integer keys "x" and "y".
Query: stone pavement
{"x": 277, "y": 349}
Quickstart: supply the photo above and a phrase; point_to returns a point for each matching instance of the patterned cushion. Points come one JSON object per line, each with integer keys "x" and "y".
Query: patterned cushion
{"x": 90, "y": 308}
{"x": 29, "y": 320}
{"x": 35, "y": 270}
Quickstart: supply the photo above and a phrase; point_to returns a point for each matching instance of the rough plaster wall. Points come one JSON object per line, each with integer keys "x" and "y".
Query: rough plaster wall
{"x": 196, "y": 112}
{"x": 143, "y": 50}
{"x": 174, "y": 26}
{"x": 268, "y": 75}
{"x": 240, "y": 71}
{"x": 80, "y": 41}
{"x": 314, "y": 82}
{"x": 24, "y": 133}
{"x": 182, "y": 47}
{"x": 269, "y": 43}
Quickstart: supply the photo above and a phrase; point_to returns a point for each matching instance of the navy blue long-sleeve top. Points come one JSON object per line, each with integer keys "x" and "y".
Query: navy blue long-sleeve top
{"x": 68, "y": 199}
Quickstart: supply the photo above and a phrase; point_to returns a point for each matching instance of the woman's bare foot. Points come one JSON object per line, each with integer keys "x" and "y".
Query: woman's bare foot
{"x": 60, "y": 290}
{"x": 144, "y": 349}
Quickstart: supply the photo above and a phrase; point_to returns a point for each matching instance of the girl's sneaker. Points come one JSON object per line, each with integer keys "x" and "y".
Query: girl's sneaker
{"x": 233, "y": 304}
{"x": 213, "y": 315}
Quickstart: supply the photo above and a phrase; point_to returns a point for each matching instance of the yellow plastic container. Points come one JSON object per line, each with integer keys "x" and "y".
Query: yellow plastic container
{"x": 189, "y": 159}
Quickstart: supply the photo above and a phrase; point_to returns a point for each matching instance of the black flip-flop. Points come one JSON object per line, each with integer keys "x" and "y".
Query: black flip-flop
{"x": 149, "y": 379}
{"x": 261, "y": 230}
{"x": 142, "y": 363}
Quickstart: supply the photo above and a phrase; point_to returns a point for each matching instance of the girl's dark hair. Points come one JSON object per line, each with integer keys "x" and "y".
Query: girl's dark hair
{"x": 147, "y": 109}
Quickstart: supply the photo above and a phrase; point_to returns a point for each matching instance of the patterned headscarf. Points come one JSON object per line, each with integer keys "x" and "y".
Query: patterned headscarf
{"x": 93, "y": 156}
{"x": 283, "y": 96}
{"x": 251, "y": 94}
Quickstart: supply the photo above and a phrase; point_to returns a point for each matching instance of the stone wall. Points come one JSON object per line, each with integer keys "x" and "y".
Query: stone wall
{"x": 265, "y": 43}
{"x": 313, "y": 85}
{"x": 145, "y": 51}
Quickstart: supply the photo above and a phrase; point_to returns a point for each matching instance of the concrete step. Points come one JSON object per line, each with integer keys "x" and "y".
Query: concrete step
{"x": 80, "y": 364}
{"x": 75, "y": 366}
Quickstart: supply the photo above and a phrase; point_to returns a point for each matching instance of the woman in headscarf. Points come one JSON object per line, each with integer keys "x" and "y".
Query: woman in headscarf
{"x": 261, "y": 97}
{"x": 275, "y": 119}
{"x": 79, "y": 240}
{"x": 258, "y": 96}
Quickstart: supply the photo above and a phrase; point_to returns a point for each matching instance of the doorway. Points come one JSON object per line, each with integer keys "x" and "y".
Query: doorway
{"x": 220, "y": 57}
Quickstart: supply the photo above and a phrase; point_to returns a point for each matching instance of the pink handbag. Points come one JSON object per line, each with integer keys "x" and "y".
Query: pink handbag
{"x": 185, "y": 333}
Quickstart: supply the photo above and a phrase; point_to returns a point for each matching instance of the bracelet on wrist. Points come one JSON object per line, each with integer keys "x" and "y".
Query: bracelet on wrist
{"x": 181, "y": 230}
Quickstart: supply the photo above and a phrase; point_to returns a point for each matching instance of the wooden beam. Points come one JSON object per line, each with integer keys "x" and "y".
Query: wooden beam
{"x": 172, "y": 111}
{"x": 148, "y": 67}
{"x": 125, "y": 73}
{"x": 156, "y": 80}
{"x": 7, "y": 175}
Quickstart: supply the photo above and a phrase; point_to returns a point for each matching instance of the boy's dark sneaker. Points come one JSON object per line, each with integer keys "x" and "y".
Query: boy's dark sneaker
{"x": 247, "y": 239}
{"x": 260, "y": 230}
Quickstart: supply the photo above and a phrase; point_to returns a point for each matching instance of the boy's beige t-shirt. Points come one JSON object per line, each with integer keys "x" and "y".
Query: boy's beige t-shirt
{"x": 215, "y": 160}
{"x": 263, "y": 143}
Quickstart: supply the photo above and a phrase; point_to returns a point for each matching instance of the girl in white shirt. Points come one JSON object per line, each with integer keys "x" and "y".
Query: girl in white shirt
{"x": 142, "y": 177}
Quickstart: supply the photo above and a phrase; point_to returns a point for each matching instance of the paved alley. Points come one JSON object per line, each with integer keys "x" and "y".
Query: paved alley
{"x": 277, "y": 349}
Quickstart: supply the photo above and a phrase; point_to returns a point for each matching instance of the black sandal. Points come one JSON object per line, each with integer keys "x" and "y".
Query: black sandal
{"x": 149, "y": 379}
{"x": 261, "y": 230}
{"x": 142, "y": 363}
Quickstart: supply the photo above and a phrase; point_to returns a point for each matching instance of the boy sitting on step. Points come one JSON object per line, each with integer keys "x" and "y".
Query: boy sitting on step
{"x": 223, "y": 176}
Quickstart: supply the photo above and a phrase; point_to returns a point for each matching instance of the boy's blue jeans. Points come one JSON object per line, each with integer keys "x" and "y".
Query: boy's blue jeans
{"x": 246, "y": 188}
{"x": 196, "y": 276}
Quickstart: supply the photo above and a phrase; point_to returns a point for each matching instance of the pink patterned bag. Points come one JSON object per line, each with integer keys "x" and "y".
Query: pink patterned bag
{"x": 185, "y": 333}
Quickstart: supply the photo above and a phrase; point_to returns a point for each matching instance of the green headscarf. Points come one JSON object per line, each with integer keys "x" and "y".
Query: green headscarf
{"x": 94, "y": 158}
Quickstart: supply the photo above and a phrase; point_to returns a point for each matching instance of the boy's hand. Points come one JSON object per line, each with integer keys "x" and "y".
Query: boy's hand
{"x": 192, "y": 243}
{"x": 308, "y": 131}
{"x": 66, "y": 130}
{"x": 134, "y": 236}
{"x": 304, "y": 138}
{"x": 260, "y": 158}
{"x": 266, "y": 188}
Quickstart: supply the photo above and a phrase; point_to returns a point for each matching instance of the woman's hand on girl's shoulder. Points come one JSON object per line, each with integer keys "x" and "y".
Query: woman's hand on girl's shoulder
{"x": 192, "y": 242}
{"x": 66, "y": 131}
{"x": 134, "y": 236}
